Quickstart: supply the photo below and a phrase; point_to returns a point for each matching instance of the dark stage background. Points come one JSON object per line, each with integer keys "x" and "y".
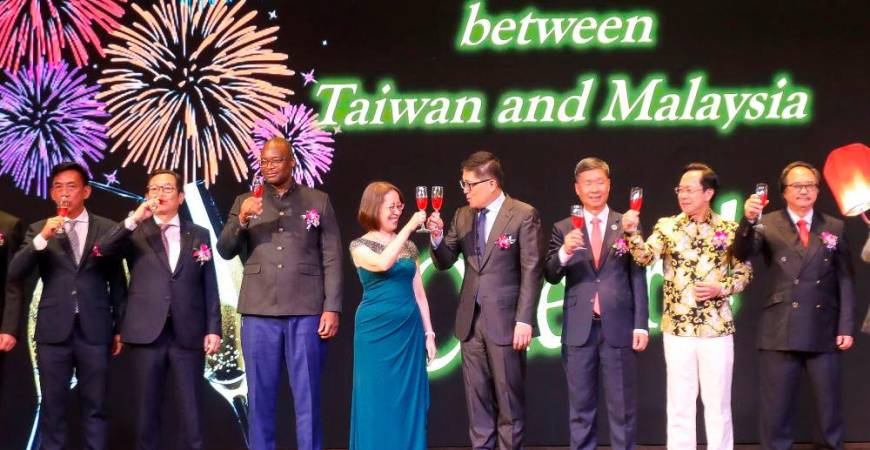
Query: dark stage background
{"x": 825, "y": 46}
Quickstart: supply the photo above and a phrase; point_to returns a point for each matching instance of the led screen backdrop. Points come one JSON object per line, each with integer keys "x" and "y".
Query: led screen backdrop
{"x": 403, "y": 91}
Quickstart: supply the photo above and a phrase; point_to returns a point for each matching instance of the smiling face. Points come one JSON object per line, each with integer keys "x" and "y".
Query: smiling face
{"x": 801, "y": 189}
{"x": 389, "y": 212}
{"x": 694, "y": 199}
{"x": 593, "y": 189}
{"x": 276, "y": 162}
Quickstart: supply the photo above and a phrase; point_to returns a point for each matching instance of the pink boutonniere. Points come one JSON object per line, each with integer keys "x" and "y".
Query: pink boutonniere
{"x": 202, "y": 254}
{"x": 830, "y": 240}
{"x": 720, "y": 240}
{"x": 505, "y": 241}
{"x": 312, "y": 218}
{"x": 95, "y": 252}
{"x": 2, "y": 239}
{"x": 620, "y": 247}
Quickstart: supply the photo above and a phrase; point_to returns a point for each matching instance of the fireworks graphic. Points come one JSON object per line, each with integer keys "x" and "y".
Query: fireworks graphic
{"x": 48, "y": 115}
{"x": 45, "y": 28}
{"x": 187, "y": 84}
{"x": 309, "y": 142}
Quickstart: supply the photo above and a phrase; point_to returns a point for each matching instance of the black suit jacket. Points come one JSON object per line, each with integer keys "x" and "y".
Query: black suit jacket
{"x": 508, "y": 282}
{"x": 12, "y": 296}
{"x": 189, "y": 293}
{"x": 811, "y": 295}
{"x": 289, "y": 268}
{"x": 97, "y": 283}
{"x": 619, "y": 281}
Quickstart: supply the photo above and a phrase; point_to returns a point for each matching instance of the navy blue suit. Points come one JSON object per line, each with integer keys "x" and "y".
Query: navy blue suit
{"x": 590, "y": 342}
{"x": 169, "y": 313}
{"x": 66, "y": 340}
{"x": 810, "y": 301}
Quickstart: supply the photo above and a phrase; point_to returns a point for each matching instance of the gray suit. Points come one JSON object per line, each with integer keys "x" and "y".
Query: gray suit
{"x": 500, "y": 287}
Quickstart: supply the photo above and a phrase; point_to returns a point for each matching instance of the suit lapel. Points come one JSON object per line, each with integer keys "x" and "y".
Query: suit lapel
{"x": 790, "y": 235}
{"x": 152, "y": 235}
{"x": 89, "y": 240}
{"x": 186, "y": 248}
{"x": 501, "y": 222}
{"x": 815, "y": 240}
{"x": 609, "y": 237}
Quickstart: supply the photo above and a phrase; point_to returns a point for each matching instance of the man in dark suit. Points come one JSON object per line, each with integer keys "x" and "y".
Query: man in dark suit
{"x": 11, "y": 235}
{"x": 808, "y": 316}
{"x": 291, "y": 292}
{"x": 82, "y": 300}
{"x": 501, "y": 241}
{"x": 173, "y": 306}
{"x": 605, "y": 311}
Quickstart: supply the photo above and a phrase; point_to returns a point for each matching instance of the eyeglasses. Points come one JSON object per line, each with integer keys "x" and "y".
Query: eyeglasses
{"x": 809, "y": 187}
{"x": 686, "y": 190}
{"x": 469, "y": 185}
{"x": 164, "y": 188}
{"x": 272, "y": 162}
{"x": 397, "y": 208}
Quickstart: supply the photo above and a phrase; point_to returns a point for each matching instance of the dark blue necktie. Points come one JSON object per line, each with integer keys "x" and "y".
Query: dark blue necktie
{"x": 481, "y": 234}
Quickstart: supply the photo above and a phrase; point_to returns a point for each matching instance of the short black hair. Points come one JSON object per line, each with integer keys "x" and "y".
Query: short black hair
{"x": 709, "y": 179}
{"x": 70, "y": 165}
{"x": 179, "y": 183}
{"x": 784, "y": 174}
{"x": 483, "y": 164}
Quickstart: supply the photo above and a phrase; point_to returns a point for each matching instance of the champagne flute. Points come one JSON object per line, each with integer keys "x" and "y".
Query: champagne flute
{"x": 257, "y": 190}
{"x": 577, "y": 218}
{"x": 437, "y": 197}
{"x": 761, "y": 191}
{"x": 62, "y": 211}
{"x": 421, "y": 194}
{"x": 635, "y": 199}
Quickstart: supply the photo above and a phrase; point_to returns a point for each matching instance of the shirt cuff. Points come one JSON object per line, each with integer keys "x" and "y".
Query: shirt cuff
{"x": 563, "y": 256}
{"x": 437, "y": 241}
{"x": 523, "y": 323}
{"x": 39, "y": 243}
{"x": 130, "y": 224}
{"x": 641, "y": 331}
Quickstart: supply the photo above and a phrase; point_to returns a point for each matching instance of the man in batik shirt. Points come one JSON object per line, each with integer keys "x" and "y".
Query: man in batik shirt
{"x": 700, "y": 275}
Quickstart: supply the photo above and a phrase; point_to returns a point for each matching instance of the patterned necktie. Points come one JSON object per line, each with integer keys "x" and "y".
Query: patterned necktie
{"x": 74, "y": 241}
{"x": 596, "y": 254}
{"x": 163, "y": 228}
{"x": 804, "y": 232}
{"x": 481, "y": 234}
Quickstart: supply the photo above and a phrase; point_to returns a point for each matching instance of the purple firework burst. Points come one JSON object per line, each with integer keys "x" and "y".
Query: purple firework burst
{"x": 48, "y": 114}
{"x": 310, "y": 143}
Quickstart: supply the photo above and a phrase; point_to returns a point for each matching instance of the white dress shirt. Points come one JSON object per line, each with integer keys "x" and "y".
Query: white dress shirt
{"x": 588, "y": 216}
{"x": 794, "y": 219}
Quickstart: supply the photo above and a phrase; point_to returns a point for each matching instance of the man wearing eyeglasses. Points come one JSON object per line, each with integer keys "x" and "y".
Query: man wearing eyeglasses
{"x": 502, "y": 244}
{"x": 808, "y": 317}
{"x": 79, "y": 310}
{"x": 290, "y": 300}
{"x": 173, "y": 308}
{"x": 697, "y": 324}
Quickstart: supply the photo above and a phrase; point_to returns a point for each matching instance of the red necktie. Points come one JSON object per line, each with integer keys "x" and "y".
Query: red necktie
{"x": 804, "y": 232}
{"x": 596, "y": 254}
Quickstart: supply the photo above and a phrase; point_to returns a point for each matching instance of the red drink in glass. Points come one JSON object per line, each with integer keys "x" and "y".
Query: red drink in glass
{"x": 63, "y": 211}
{"x": 422, "y": 202}
{"x": 577, "y": 218}
{"x": 257, "y": 191}
{"x": 437, "y": 197}
{"x": 635, "y": 199}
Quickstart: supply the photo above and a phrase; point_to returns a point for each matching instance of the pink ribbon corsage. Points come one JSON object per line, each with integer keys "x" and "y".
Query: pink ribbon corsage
{"x": 2, "y": 239}
{"x": 720, "y": 240}
{"x": 505, "y": 241}
{"x": 312, "y": 218}
{"x": 95, "y": 252}
{"x": 830, "y": 240}
{"x": 620, "y": 247}
{"x": 202, "y": 254}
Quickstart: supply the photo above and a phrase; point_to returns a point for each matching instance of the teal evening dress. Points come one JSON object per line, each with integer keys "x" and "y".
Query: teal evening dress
{"x": 390, "y": 386}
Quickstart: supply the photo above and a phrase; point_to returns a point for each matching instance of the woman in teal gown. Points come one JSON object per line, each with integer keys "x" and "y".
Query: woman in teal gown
{"x": 393, "y": 337}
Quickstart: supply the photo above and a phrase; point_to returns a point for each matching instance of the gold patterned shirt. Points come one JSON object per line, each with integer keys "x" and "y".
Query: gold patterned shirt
{"x": 692, "y": 252}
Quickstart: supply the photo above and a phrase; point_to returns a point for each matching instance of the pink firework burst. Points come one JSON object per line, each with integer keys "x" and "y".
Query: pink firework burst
{"x": 45, "y": 28}
{"x": 310, "y": 143}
